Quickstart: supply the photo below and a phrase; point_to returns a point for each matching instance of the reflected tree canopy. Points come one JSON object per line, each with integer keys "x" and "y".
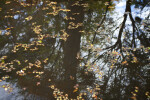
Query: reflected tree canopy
{"x": 75, "y": 49}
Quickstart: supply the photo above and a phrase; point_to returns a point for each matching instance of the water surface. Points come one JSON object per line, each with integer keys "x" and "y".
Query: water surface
{"x": 74, "y": 49}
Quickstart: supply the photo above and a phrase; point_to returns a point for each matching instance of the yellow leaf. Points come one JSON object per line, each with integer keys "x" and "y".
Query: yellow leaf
{"x": 75, "y": 90}
{"x": 39, "y": 41}
{"x": 124, "y": 62}
{"x": 65, "y": 10}
{"x": 19, "y": 63}
{"x": 7, "y": 28}
{"x": 28, "y": 18}
{"x": 136, "y": 90}
{"x": 3, "y": 86}
{"x": 147, "y": 93}
{"x": 52, "y": 87}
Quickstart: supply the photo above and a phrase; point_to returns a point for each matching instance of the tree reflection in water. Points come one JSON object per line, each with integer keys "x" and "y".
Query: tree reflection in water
{"x": 74, "y": 49}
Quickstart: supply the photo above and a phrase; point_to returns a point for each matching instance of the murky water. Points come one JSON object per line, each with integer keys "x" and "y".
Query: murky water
{"x": 83, "y": 50}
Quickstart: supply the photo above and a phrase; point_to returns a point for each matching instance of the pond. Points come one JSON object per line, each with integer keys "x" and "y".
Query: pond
{"x": 74, "y": 50}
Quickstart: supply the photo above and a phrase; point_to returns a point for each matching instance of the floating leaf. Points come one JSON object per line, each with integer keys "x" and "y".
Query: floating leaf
{"x": 28, "y": 18}
{"x": 3, "y": 61}
{"x": 133, "y": 98}
{"x": 6, "y": 76}
{"x": 106, "y": 3}
{"x": 18, "y": 62}
{"x": 38, "y": 83}
{"x": 45, "y": 61}
{"x": 124, "y": 62}
{"x": 136, "y": 90}
{"x": 75, "y": 90}
{"x": 65, "y": 10}
{"x": 7, "y": 33}
{"x": 52, "y": 86}
{"x": 24, "y": 88}
{"x": 147, "y": 93}
{"x": 7, "y": 28}
{"x": 8, "y": 2}
{"x": 39, "y": 41}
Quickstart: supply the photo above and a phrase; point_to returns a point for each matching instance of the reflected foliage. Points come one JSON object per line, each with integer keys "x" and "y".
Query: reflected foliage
{"x": 71, "y": 49}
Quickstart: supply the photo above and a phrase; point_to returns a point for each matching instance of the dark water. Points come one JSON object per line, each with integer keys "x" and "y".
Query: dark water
{"x": 83, "y": 50}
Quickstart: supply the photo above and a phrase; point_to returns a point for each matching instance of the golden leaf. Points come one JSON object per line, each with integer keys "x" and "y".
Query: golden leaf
{"x": 75, "y": 90}
{"x": 7, "y": 28}
{"x": 136, "y": 90}
{"x": 147, "y": 93}
{"x": 124, "y": 62}
{"x": 28, "y": 18}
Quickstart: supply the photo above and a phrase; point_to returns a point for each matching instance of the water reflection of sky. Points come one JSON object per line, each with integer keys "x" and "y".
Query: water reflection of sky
{"x": 5, "y": 95}
{"x": 120, "y": 9}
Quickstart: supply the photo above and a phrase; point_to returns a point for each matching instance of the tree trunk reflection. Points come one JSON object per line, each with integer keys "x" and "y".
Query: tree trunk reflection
{"x": 72, "y": 46}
